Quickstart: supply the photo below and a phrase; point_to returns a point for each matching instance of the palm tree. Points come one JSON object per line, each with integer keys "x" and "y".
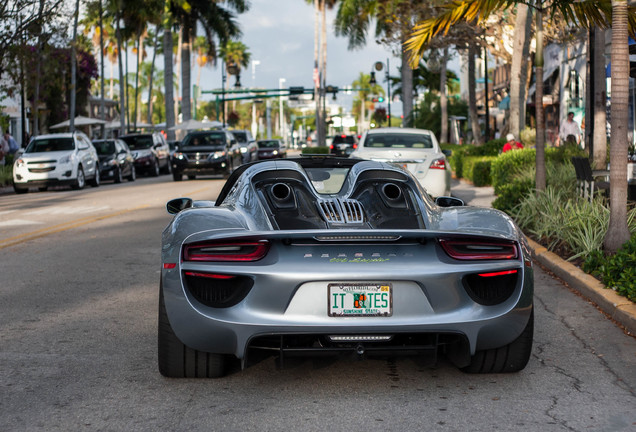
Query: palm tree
{"x": 362, "y": 102}
{"x": 235, "y": 55}
{"x": 216, "y": 19}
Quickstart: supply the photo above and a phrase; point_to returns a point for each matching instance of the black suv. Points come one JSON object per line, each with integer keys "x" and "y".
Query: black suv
{"x": 344, "y": 145}
{"x": 206, "y": 152}
{"x": 151, "y": 152}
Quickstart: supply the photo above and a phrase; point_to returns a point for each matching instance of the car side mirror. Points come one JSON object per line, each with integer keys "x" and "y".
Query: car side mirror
{"x": 174, "y": 206}
{"x": 445, "y": 201}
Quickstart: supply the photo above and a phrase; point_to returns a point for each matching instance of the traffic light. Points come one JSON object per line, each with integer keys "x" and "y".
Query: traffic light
{"x": 380, "y": 98}
{"x": 295, "y": 91}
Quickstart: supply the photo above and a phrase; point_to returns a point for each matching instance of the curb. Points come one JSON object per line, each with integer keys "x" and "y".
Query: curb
{"x": 619, "y": 308}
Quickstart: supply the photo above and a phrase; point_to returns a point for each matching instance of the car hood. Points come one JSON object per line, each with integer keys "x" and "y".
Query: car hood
{"x": 397, "y": 155}
{"x": 45, "y": 156}
{"x": 200, "y": 149}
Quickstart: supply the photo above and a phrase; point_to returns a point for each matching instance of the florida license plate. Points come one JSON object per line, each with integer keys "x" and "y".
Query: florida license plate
{"x": 360, "y": 299}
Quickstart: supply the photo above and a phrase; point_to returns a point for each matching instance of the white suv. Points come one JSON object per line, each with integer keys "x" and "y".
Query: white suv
{"x": 56, "y": 159}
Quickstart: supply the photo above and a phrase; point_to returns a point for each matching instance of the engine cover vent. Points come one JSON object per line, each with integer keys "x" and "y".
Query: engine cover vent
{"x": 341, "y": 211}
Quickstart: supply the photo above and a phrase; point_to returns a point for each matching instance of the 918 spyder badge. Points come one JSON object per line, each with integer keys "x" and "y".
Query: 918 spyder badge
{"x": 360, "y": 299}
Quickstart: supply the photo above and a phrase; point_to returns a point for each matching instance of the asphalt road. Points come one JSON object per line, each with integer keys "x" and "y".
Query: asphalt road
{"x": 79, "y": 274}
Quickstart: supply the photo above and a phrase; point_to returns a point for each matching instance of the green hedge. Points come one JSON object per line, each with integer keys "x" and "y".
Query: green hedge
{"x": 316, "y": 150}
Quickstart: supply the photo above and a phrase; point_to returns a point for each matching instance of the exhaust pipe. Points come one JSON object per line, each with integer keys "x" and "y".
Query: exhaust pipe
{"x": 281, "y": 191}
{"x": 392, "y": 191}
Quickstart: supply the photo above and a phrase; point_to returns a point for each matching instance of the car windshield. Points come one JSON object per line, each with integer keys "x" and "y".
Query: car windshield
{"x": 327, "y": 180}
{"x": 40, "y": 145}
{"x": 202, "y": 139}
{"x": 240, "y": 136}
{"x": 104, "y": 147}
{"x": 400, "y": 140}
{"x": 268, "y": 144}
{"x": 138, "y": 142}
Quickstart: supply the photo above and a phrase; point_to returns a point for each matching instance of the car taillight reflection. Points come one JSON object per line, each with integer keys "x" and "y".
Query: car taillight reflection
{"x": 226, "y": 251}
{"x": 479, "y": 250}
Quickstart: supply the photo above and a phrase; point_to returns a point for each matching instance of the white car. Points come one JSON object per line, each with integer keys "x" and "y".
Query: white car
{"x": 416, "y": 150}
{"x": 56, "y": 159}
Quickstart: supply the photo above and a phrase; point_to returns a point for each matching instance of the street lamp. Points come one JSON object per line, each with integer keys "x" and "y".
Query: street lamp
{"x": 254, "y": 124}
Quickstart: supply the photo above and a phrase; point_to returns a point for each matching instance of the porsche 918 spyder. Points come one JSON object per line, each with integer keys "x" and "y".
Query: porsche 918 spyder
{"x": 324, "y": 256}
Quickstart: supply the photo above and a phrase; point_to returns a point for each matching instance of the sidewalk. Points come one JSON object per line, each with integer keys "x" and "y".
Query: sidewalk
{"x": 614, "y": 306}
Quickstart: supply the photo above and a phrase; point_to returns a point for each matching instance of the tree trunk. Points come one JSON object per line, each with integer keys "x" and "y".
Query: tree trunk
{"x": 518, "y": 70}
{"x": 323, "y": 71}
{"x": 317, "y": 68}
{"x": 152, "y": 73}
{"x": 186, "y": 107}
{"x": 540, "y": 140}
{"x": 74, "y": 69}
{"x": 136, "y": 109}
{"x": 600, "y": 101}
{"x": 618, "y": 232}
{"x": 122, "y": 99}
{"x": 472, "y": 98}
{"x": 443, "y": 99}
{"x": 38, "y": 68}
{"x": 102, "y": 103}
{"x": 167, "y": 78}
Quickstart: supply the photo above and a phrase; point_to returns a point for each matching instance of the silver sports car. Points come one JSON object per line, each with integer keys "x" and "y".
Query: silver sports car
{"x": 319, "y": 255}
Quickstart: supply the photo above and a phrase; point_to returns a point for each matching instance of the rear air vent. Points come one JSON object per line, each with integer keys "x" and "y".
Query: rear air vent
{"x": 341, "y": 211}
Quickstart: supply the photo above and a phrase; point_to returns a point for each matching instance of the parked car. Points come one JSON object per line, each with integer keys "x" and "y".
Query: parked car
{"x": 212, "y": 152}
{"x": 323, "y": 256}
{"x": 249, "y": 149}
{"x": 271, "y": 149}
{"x": 414, "y": 149}
{"x": 151, "y": 153}
{"x": 56, "y": 159}
{"x": 116, "y": 162}
{"x": 343, "y": 145}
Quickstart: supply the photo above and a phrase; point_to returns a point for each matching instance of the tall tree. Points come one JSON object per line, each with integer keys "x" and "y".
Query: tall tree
{"x": 216, "y": 19}
{"x": 362, "y": 102}
{"x": 618, "y": 232}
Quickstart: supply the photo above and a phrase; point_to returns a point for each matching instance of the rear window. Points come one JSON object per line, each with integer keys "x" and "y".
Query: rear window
{"x": 138, "y": 142}
{"x": 339, "y": 139}
{"x": 202, "y": 139}
{"x": 40, "y": 145}
{"x": 398, "y": 141}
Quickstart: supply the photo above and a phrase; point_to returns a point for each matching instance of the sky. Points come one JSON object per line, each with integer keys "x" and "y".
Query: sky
{"x": 280, "y": 35}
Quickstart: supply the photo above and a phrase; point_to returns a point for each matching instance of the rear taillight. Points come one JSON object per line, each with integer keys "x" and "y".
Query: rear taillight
{"x": 331, "y": 147}
{"x": 438, "y": 164}
{"x": 479, "y": 250}
{"x": 355, "y": 146}
{"x": 226, "y": 251}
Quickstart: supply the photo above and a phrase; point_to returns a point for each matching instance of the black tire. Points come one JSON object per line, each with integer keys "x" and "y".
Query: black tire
{"x": 43, "y": 188}
{"x": 168, "y": 168}
{"x": 95, "y": 181}
{"x": 133, "y": 174}
{"x": 118, "y": 176}
{"x": 155, "y": 171}
{"x": 179, "y": 361}
{"x": 80, "y": 181}
{"x": 177, "y": 176}
{"x": 510, "y": 358}
{"x": 20, "y": 190}
{"x": 191, "y": 177}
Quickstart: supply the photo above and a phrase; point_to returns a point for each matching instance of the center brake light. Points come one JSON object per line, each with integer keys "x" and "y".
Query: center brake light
{"x": 227, "y": 251}
{"x": 469, "y": 250}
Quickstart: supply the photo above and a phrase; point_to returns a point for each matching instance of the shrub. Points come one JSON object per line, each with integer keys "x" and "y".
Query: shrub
{"x": 6, "y": 175}
{"x": 618, "y": 271}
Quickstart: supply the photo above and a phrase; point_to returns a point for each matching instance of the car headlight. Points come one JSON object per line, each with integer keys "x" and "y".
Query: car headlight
{"x": 243, "y": 149}
{"x": 65, "y": 159}
{"x": 275, "y": 152}
{"x": 218, "y": 154}
{"x": 20, "y": 163}
{"x": 179, "y": 155}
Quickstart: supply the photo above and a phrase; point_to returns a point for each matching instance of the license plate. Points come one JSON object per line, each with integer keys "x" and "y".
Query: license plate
{"x": 360, "y": 299}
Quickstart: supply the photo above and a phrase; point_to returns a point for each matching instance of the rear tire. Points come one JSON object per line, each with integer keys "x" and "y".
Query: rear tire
{"x": 155, "y": 171}
{"x": 95, "y": 180}
{"x": 510, "y": 358}
{"x": 179, "y": 361}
